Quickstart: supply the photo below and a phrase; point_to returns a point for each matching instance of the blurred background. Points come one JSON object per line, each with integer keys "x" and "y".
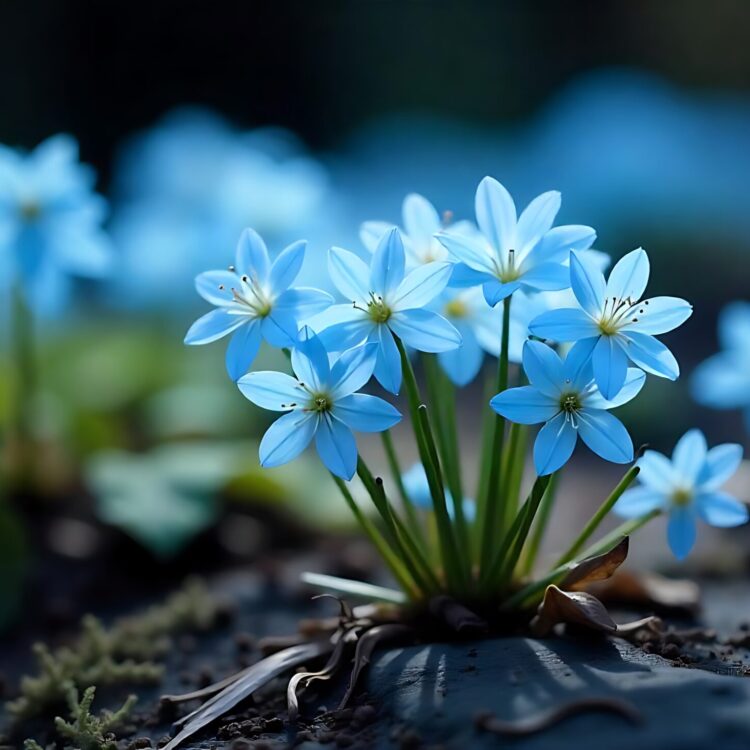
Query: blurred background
{"x": 304, "y": 119}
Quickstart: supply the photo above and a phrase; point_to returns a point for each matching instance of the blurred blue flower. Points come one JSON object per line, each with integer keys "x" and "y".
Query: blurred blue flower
{"x": 516, "y": 252}
{"x": 687, "y": 488}
{"x": 723, "y": 380}
{"x": 384, "y": 302}
{"x": 186, "y": 189}
{"x": 564, "y": 396}
{"x": 418, "y": 491}
{"x": 255, "y": 300}
{"x": 321, "y": 402}
{"x": 50, "y": 222}
{"x": 612, "y": 325}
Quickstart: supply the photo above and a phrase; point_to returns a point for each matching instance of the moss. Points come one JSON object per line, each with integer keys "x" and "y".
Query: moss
{"x": 84, "y": 731}
{"x": 125, "y": 653}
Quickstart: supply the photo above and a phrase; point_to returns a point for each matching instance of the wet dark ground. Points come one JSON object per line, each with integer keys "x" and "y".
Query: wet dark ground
{"x": 686, "y": 689}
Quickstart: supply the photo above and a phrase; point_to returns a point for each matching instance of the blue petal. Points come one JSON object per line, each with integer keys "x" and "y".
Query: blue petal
{"x": 660, "y": 315}
{"x": 721, "y": 509}
{"x": 606, "y": 435}
{"x": 353, "y": 369}
{"x": 681, "y": 531}
{"x": 722, "y": 381}
{"x": 543, "y": 368}
{"x": 336, "y": 447}
{"x": 565, "y": 324}
{"x": 371, "y": 232}
{"x": 525, "y": 405}
{"x": 463, "y": 364}
{"x": 388, "y": 365}
{"x": 577, "y": 368}
{"x": 496, "y": 214}
{"x": 421, "y": 220}
{"x": 348, "y": 333}
{"x": 421, "y": 286}
{"x": 554, "y": 445}
{"x": 216, "y": 286}
{"x": 304, "y": 302}
{"x": 350, "y": 275}
{"x": 310, "y": 360}
{"x": 463, "y": 277}
{"x": 286, "y": 267}
{"x": 286, "y": 438}
{"x": 588, "y": 284}
{"x": 496, "y": 291}
{"x": 536, "y": 220}
{"x": 734, "y": 326}
{"x": 424, "y": 330}
{"x": 279, "y": 328}
{"x": 634, "y": 381}
{"x": 721, "y": 463}
{"x": 656, "y": 472}
{"x": 650, "y": 355}
{"x": 252, "y": 256}
{"x": 276, "y": 391}
{"x": 639, "y": 501}
{"x": 213, "y": 326}
{"x": 689, "y": 456}
{"x": 546, "y": 277}
{"x": 472, "y": 251}
{"x": 629, "y": 277}
{"x": 417, "y": 487}
{"x": 610, "y": 366}
{"x": 556, "y": 245}
{"x": 387, "y": 269}
{"x": 242, "y": 349}
{"x": 366, "y": 413}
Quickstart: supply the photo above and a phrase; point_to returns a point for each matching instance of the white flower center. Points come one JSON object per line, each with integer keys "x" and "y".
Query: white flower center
{"x": 251, "y": 297}
{"x": 616, "y": 313}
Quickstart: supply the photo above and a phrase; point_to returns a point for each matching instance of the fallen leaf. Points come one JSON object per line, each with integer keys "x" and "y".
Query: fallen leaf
{"x": 597, "y": 568}
{"x": 574, "y": 607}
{"x": 650, "y": 591}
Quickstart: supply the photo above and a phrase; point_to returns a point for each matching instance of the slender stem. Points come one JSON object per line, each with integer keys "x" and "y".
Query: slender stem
{"x": 489, "y": 522}
{"x": 511, "y": 474}
{"x": 395, "y": 467}
{"x": 488, "y": 421}
{"x": 617, "y": 535}
{"x": 597, "y": 518}
{"x": 406, "y": 549}
{"x": 540, "y": 526}
{"x": 391, "y": 560}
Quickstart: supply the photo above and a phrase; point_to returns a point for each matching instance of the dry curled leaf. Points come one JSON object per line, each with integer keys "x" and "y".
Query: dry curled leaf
{"x": 574, "y": 607}
{"x": 597, "y": 568}
{"x": 650, "y": 591}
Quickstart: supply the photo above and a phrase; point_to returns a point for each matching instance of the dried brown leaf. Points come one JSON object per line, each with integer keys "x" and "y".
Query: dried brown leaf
{"x": 574, "y": 607}
{"x": 597, "y": 568}
{"x": 650, "y": 591}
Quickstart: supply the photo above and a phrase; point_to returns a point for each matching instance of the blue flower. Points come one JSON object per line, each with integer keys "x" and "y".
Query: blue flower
{"x": 564, "y": 396}
{"x": 254, "y": 299}
{"x": 418, "y": 491}
{"x": 421, "y": 222}
{"x": 50, "y": 222}
{"x": 320, "y": 402}
{"x": 687, "y": 488}
{"x": 723, "y": 380}
{"x": 612, "y": 326}
{"x": 385, "y": 302}
{"x": 516, "y": 252}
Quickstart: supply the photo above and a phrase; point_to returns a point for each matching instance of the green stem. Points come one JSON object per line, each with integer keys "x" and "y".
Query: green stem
{"x": 540, "y": 526}
{"x": 395, "y": 467}
{"x": 598, "y": 517}
{"x": 379, "y": 542}
{"x": 617, "y": 535}
{"x": 489, "y": 522}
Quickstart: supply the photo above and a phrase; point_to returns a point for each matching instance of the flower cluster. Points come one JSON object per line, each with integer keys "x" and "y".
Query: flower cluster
{"x": 512, "y": 286}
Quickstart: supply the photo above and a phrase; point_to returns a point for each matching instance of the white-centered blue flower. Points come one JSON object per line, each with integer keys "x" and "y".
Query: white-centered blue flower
{"x": 50, "y": 222}
{"x": 321, "y": 402}
{"x": 613, "y": 325}
{"x": 687, "y": 488}
{"x": 384, "y": 301}
{"x": 255, "y": 300}
{"x": 516, "y": 252}
{"x": 564, "y": 396}
{"x": 418, "y": 491}
{"x": 723, "y": 380}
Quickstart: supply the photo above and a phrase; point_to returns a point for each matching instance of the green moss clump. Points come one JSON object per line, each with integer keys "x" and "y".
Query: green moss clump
{"x": 84, "y": 731}
{"x": 122, "y": 654}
